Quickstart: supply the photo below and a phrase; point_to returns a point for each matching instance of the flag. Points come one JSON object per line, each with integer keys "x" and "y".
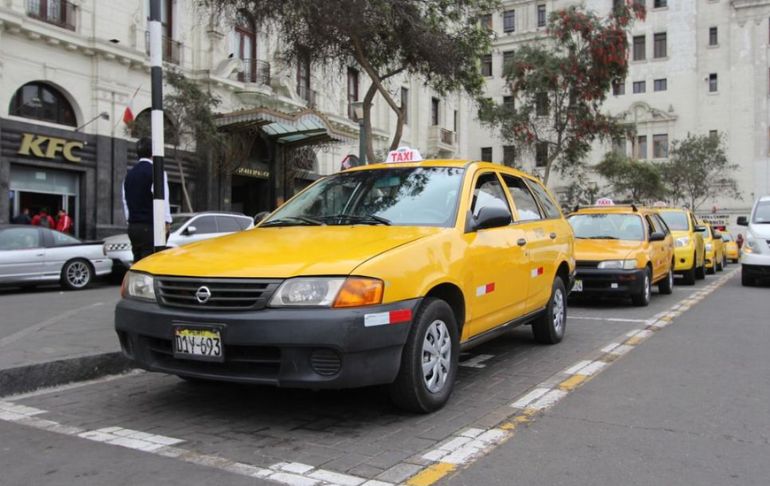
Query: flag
{"x": 128, "y": 113}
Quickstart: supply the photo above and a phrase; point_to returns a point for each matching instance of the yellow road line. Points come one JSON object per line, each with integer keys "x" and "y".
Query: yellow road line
{"x": 572, "y": 382}
{"x": 432, "y": 474}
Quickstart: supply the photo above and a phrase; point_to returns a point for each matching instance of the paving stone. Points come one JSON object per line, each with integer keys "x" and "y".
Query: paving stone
{"x": 399, "y": 473}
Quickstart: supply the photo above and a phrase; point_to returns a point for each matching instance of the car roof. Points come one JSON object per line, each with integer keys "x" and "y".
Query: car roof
{"x": 220, "y": 213}
{"x": 458, "y": 163}
{"x": 685, "y": 210}
{"x": 616, "y": 209}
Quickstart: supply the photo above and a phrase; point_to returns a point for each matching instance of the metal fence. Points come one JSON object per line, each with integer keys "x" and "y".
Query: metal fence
{"x": 172, "y": 50}
{"x": 255, "y": 71}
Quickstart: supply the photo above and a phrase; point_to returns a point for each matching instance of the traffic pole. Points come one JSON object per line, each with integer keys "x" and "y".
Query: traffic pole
{"x": 156, "y": 73}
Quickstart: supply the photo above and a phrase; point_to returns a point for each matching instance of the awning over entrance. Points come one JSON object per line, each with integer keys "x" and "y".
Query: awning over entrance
{"x": 305, "y": 127}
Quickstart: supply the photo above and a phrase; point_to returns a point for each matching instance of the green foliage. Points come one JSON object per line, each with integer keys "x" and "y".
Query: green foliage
{"x": 560, "y": 84}
{"x": 698, "y": 170}
{"x": 636, "y": 181}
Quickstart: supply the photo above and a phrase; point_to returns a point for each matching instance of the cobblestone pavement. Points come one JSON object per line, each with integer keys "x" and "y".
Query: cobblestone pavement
{"x": 356, "y": 433}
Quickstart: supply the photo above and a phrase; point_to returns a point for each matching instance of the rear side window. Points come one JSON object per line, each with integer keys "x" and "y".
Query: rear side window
{"x": 651, "y": 226}
{"x": 523, "y": 198}
{"x": 19, "y": 239}
{"x": 488, "y": 193}
{"x": 244, "y": 222}
{"x": 660, "y": 224}
{"x": 227, "y": 224}
{"x": 60, "y": 239}
{"x": 551, "y": 209}
{"x": 204, "y": 225}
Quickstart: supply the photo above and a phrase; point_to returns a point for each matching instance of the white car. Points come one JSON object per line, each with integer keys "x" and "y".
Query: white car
{"x": 755, "y": 255}
{"x": 185, "y": 228}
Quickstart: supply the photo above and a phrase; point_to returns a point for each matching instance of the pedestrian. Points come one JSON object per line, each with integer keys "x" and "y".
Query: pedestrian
{"x": 739, "y": 240}
{"x": 138, "y": 201}
{"x": 64, "y": 223}
{"x": 43, "y": 219}
{"x": 23, "y": 217}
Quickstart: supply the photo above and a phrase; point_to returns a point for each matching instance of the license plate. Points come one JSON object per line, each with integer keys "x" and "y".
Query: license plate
{"x": 578, "y": 286}
{"x": 202, "y": 343}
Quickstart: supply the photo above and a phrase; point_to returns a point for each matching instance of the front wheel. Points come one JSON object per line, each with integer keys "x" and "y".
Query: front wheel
{"x": 666, "y": 286}
{"x": 76, "y": 274}
{"x": 549, "y": 327}
{"x": 700, "y": 272}
{"x": 429, "y": 360}
{"x": 642, "y": 298}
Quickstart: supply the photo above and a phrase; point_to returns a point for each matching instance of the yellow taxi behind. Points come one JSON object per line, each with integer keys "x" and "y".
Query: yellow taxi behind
{"x": 714, "y": 248}
{"x": 376, "y": 275}
{"x": 732, "y": 252}
{"x": 622, "y": 250}
{"x": 689, "y": 249}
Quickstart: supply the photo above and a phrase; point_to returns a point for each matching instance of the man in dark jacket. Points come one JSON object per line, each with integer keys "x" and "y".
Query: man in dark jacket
{"x": 138, "y": 201}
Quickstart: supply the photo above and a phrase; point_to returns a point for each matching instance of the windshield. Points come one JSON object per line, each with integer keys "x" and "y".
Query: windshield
{"x": 607, "y": 226}
{"x": 178, "y": 221}
{"x": 762, "y": 212}
{"x": 417, "y": 196}
{"x": 727, "y": 237}
{"x": 676, "y": 220}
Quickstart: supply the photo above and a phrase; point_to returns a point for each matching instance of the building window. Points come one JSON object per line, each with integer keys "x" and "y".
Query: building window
{"x": 618, "y": 88}
{"x": 640, "y": 87}
{"x": 713, "y": 83}
{"x": 713, "y": 36}
{"x": 509, "y": 21}
{"x": 486, "y": 65}
{"x": 246, "y": 47}
{"x": 660, "y": 146}
{"x": 508, "y": 103}
{"x": 659, "y": 45}
{"x": 639, "y": 54}
{"x": 660, "y": 4}
{"x": 640, "y": 3}
{"x": 541, "y": 104}
{"x": 541, "y": 16}
{"x": 40, "y": 101}
{"x": 303, "y": 78}
{"x": 619, "y": 146}
{"x": 509, "y": 155}
{"x": 456, "y": 122}
{"x": 713, "y": 133}
{"x": 434, "y": 108}
{"x": 56, "y": 12}
{"x": 405, "y": 104}
{"x": 541, "y": 154}
{"x": 507, "y": 60}
{"x": 660, "y": 84}
{"x": 352, "y": 91}
{"x": 486, "y": 21}
{"x": 486, "y": 154}
{"x": 641, "y": 147}
{"x": 141, "y": 127}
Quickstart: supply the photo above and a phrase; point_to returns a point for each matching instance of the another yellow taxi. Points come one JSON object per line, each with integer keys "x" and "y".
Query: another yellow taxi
{"x": 689, "y": 249}
{"x": 715, "y": 255}
{"x": 376, "y": 275}
{"x": 622, "y": 250}
{"x": 732, "y": 252}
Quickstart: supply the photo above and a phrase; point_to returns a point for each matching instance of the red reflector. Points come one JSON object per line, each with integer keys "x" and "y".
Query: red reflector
{"x": 490, "y": 287}
{"x": 401, "y": 315}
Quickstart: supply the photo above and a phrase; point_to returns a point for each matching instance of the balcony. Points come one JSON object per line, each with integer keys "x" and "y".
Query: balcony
{"x": 442, "y": 141}
{"x": 172, "y": 50}
{"x": 307, "y": 94}
{"x": 60, "y": 13}
{"x": 255, "y": 71}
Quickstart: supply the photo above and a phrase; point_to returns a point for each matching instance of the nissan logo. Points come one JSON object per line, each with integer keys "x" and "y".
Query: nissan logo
{"x": 203, "y": 294}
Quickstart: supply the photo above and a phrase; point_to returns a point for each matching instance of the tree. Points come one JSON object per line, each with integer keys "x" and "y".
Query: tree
{"x": 698, "y": 170}
{"x": 558, "y": 86}
{"x": 638, "y": 181}
{"x": 434, "y": 39}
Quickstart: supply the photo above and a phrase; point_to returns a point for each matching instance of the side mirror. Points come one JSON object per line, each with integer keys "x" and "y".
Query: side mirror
{"x": 658, "y": 236}
{"x": 743, "y": 221}
{"x": 190, "y": 230}
{"x": 492, "y": 217}
{"x": 700, "y": 228}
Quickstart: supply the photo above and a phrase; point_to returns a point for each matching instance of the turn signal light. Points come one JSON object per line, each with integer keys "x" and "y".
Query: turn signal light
{"x": 357, "y": 292}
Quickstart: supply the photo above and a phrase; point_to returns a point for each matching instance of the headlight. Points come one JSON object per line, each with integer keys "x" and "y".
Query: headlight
{"x": 709, "y": 246}
{"x": 328, "y": 292}
{"x": 618, "y": 264}
{"x": 752, "y": 244}
{"x": 682, "y": 241}
{"x": 138, "y": 286}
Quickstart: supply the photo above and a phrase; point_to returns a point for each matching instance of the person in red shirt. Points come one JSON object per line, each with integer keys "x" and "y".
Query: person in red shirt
{"x": 43, "y": 219}
{"x": 64, "y": 222}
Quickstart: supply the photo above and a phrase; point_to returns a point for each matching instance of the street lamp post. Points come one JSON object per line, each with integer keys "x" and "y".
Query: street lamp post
{"x": 358, "y": 112}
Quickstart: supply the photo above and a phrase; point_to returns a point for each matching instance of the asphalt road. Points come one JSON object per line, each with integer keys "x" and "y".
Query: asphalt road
{"x": 221, "y": 433}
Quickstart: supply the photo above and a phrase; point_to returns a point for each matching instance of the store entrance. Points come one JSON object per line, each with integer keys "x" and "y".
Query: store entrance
{"x": 250, "y": 195}
{"x": 44, "y": 189}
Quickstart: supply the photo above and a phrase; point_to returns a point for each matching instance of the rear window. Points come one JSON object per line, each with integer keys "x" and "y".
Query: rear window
{"x": 607, "y": 226}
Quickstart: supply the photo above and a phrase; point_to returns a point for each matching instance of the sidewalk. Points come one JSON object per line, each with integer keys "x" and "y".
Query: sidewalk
{"x": 49, "y": 336}
{"x": 689, "y": 406}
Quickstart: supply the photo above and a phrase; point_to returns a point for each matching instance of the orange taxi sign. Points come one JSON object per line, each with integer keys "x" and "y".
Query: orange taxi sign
{"x": 404, "y": 154}
{"x": 605, "y": 201}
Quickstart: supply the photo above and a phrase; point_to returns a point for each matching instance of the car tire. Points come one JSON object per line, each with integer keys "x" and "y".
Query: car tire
{"x": 434, "y": 334}
{"x": 700, "y": 272}
{"x": 746, "y": 279}
{"x": 689, "y": 276}
{"x": 549, "y": 327}
{"x": 666, "y": 286}
{"x": 77, "y": 274}
{"x": 712, "y": 270}
{"x": 642, "y": 299}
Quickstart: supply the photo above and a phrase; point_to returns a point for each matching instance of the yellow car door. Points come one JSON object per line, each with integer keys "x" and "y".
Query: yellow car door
{"x": 656, "y": 250}
{"x": 495, "y": 280}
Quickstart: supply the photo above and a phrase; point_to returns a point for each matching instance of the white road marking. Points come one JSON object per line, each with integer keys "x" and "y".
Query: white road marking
{"x": 530, "y": 397}
{"x": 476, "y": 361}
{"x": 548, "y": 400}
{"x": 606, "y": 319}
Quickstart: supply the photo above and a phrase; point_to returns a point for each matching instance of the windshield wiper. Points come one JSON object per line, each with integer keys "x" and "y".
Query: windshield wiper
{"x": 366, "y": 219}
{"x": 292, "y": 221}
{"x": 603, "y": 237}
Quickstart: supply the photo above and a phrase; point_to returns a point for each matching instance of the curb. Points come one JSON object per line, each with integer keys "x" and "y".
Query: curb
{"x": 24, "y": 379}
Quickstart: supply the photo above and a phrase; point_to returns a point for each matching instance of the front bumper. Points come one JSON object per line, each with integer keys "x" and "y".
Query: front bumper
{"x": 684, "y": 258}
{"x": 312, "y": 348}
{"x": 622, "y": 282}
{"x": 710, "y": 260}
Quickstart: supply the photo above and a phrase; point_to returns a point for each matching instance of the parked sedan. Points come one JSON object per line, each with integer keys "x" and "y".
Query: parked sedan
{"x": 185, "y": 228}
{"x": 32, "y": 255}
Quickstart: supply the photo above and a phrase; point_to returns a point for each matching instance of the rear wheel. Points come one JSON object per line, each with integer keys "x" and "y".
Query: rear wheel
{"x": 689, "y": 275}
{"x": 700, "y": 272}
{"x": 666, "y": 286}
{"x": 76, "y": 274}
{"x": 713, "y": 269}
{"x": 429, "y": 360}
{"x": 642, "y": 298}
{"x": 549, "y": 327}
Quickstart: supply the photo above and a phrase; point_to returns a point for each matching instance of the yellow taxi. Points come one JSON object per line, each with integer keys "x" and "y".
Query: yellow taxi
{"x": 715, "y": 255}
{"x": 622, "y": 250}
{"x": 380, "y": 274}
{"x": 732, "y": 252}
{"x": 689, "y": 249}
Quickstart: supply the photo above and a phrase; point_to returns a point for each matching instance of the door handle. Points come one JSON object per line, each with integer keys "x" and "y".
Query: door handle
{"x": 553, "y": 236}
{"x": 521, "y": 242}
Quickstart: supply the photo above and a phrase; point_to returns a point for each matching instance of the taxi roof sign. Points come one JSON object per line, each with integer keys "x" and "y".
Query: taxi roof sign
{"x": 659, "y": 204}
{"x": 605, "y": 201}
{"x": 404, "y": 154}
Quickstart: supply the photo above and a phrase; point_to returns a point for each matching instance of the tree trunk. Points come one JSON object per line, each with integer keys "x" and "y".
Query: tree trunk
{"x": 400, "y": 116}
{"x": 183, "y": 179}
{"x": 368, "y": 100}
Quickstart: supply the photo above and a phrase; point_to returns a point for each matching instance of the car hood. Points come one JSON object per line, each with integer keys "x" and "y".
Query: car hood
{"x": 283, "y": 252}
{"x": 761, "y": 231}
{"x": 597, "y": 250}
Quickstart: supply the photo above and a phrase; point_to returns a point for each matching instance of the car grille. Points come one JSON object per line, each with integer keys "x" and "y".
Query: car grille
{"x": 223, "y": 293}
{"x": 587, "y": 264}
